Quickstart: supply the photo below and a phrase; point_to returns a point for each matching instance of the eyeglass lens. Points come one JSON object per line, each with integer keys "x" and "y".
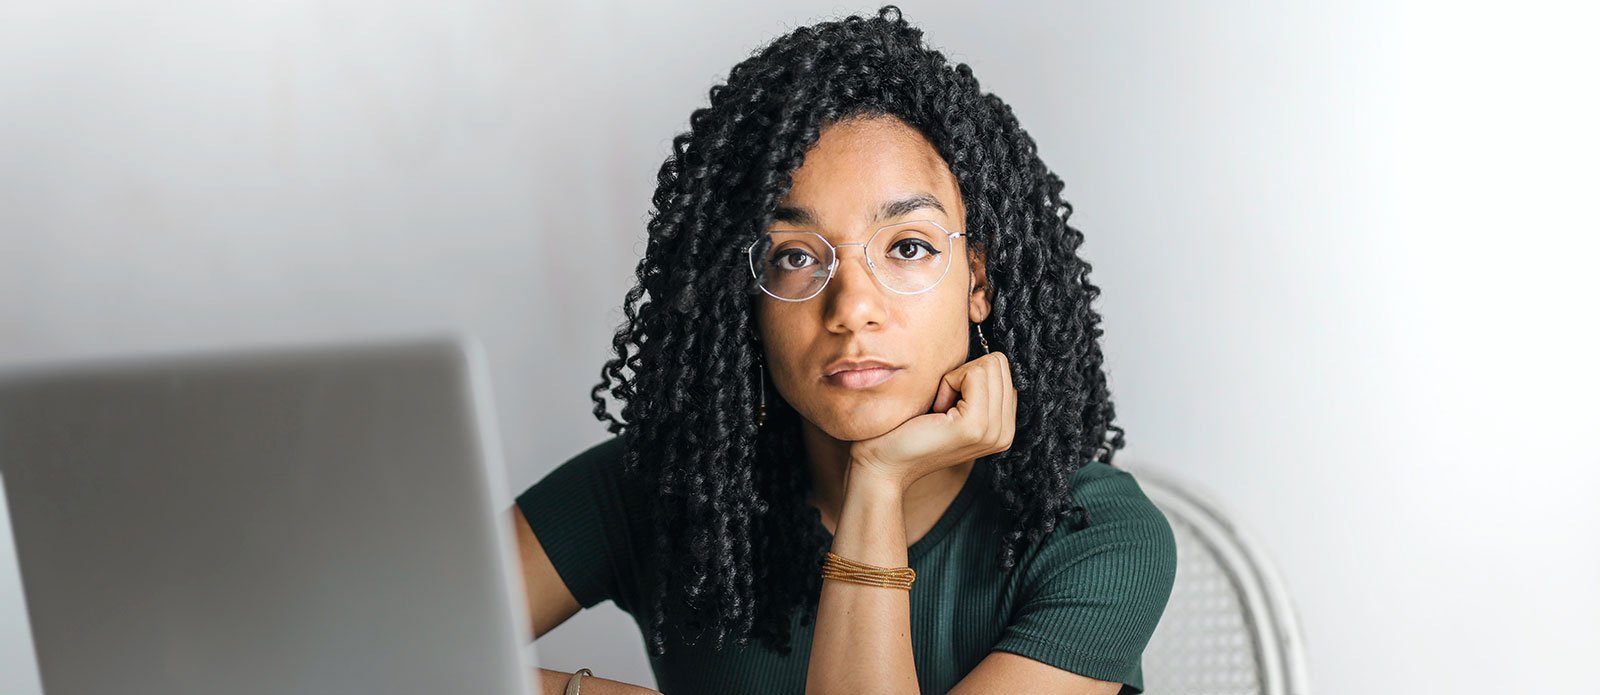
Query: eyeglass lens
{"x": 907, "y": 258}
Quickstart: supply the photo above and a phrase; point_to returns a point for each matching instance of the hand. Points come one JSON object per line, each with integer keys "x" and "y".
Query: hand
{"x": 980, "y": 422}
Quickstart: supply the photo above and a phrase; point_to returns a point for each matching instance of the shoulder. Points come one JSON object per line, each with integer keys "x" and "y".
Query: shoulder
{"x": 598, "y": 472}
{"x": 585, "y": 514}
{"x": 601, "y": 458}
{"x": 1117, "y": 496}
{"x": 1091, "y": 596}
{"x": 1127, "y": 546}
{"x": 597, "y": 469}
{"x": 586, "y": 484}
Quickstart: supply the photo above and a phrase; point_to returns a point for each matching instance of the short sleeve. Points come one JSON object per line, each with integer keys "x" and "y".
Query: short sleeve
{"x": 577, "y": 511}
{"x": 1094, "y": 595}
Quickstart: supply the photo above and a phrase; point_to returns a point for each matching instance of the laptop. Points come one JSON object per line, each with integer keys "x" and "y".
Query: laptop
{"x": 316, "y": 519}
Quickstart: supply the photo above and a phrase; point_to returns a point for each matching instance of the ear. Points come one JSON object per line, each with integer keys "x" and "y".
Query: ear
{"x": 978, "y": 290}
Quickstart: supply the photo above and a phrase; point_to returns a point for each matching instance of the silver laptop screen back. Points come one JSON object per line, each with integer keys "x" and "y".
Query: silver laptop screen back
{"x": 313, "y": 521}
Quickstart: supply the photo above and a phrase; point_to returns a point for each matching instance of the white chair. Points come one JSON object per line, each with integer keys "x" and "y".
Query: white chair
{"x": 1229, "y": 628}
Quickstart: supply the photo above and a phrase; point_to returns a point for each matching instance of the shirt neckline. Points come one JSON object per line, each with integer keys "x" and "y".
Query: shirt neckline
{"x": 952, "y": 514}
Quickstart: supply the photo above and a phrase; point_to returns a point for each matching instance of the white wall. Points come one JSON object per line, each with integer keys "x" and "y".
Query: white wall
{"x": 1346, "y": 250}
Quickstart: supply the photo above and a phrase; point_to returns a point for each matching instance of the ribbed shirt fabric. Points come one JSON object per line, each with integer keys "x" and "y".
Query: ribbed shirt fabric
{"x": 1083, "y": 600}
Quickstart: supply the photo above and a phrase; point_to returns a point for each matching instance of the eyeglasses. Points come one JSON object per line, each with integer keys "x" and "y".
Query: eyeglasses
{"x": 906, "y": 258}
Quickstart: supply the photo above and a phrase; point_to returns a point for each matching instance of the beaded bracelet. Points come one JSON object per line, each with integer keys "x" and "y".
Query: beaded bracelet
{"x": 836, "y": 567}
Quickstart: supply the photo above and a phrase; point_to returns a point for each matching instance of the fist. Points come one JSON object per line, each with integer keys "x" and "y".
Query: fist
{"x": 974, "y": 414}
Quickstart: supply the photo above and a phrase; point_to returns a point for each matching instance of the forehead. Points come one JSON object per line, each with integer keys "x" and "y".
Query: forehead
{"x": 857, "y": 165}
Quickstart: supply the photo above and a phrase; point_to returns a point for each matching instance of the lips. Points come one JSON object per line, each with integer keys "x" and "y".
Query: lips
{"x": 861, "y": 378}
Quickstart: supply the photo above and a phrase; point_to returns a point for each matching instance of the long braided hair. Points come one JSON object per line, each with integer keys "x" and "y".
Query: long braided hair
{"x": 737, "y": 547}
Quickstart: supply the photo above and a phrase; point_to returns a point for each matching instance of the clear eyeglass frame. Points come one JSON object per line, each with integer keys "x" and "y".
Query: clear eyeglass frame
{"x": 872, "y": 268}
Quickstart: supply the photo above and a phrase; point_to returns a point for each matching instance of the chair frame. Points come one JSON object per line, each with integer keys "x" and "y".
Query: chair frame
{"x": 1280, "y": 643}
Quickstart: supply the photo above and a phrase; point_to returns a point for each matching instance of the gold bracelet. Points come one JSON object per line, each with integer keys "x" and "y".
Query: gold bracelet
{"x": 836, "y": 567}
{"x": 572, "y": 683}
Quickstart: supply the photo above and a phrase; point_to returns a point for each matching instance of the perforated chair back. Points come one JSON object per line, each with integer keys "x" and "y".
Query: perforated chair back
{"x": 1229, "y": 628}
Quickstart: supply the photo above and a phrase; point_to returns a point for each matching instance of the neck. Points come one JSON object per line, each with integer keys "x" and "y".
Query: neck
{"x": 828, "y": 460}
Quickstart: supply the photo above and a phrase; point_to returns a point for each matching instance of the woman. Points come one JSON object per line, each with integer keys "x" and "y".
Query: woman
{"x": 865, "y": 436}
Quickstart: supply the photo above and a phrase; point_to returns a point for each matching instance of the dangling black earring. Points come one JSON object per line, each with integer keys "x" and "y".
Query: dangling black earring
{"x": 981, "y": 340}
{"x": 761, "y": 376}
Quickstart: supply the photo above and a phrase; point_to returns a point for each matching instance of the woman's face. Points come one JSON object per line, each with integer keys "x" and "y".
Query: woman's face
{"x": 856, "y": 169}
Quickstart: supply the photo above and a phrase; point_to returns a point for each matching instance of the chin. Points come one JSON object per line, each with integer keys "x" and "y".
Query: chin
{"x": 875, "y": 417}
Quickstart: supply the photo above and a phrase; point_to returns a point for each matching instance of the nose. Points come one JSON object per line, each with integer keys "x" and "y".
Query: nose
{"x": 853, "y": 300}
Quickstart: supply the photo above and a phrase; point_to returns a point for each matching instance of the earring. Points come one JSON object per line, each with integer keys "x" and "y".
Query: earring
{"x": 761, "y": 375}
{"x": 981, "y": 340}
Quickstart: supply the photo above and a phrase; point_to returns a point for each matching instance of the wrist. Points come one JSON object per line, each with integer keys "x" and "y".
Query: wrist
{"x": 864, "y": 478}
{"x": 871, "y": 526}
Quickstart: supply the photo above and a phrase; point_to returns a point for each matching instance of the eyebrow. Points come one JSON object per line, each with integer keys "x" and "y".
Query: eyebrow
{"x": 801, "y": 215}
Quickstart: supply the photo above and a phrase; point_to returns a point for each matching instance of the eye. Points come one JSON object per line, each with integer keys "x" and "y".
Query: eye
{"x": 792, "y": 259}
{"x": 912, "y": 250}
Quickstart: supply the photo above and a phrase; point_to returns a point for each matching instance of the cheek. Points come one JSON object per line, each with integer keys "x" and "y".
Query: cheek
{"x": 930, "y": 332}
{"x": 786, "y": 351}
{"x": 943, "y": 329}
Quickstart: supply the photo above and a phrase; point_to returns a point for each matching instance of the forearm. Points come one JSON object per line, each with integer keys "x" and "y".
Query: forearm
{"x": 555, "y": 683}
{"x": 862, "y": 639}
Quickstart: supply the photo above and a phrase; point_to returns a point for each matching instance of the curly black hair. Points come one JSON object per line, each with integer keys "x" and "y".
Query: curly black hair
{"x": 737, "y": 546}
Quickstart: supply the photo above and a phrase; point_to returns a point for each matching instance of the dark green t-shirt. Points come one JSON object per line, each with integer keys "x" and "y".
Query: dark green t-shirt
{"x": 1084, "y": 600}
